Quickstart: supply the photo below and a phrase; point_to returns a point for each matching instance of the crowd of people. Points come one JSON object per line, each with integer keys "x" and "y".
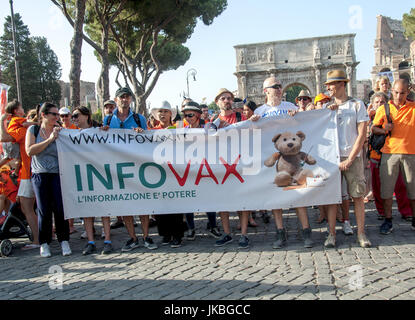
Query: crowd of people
{"x": 368, "y": 174}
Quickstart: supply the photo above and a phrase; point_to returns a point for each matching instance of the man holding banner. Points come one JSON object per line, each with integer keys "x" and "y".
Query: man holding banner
{"x": 123, "y": 118}
{"x": 352, "y": 120}
{"x": 276, "y": 107}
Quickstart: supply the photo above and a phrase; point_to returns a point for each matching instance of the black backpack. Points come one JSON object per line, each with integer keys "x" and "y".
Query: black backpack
{"x": 135, "y": 116}
{"x": 377, "y": 141}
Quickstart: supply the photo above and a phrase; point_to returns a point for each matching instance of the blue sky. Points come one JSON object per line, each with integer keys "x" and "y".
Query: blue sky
{"x": 212, "y": 52}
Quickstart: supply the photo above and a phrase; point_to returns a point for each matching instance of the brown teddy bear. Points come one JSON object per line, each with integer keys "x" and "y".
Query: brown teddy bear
{"x": 290, "y": 159}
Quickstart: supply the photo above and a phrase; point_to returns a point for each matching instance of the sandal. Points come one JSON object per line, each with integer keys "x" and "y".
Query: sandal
{"x": 31, "y": 246}
{"x": 252, "y": 225}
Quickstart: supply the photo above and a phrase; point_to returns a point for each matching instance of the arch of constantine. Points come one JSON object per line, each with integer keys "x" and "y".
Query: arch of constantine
{"x": 299, "y": 62}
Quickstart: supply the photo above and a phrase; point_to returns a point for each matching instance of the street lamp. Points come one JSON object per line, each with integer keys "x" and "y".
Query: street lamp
{"x": 193, "y": 73}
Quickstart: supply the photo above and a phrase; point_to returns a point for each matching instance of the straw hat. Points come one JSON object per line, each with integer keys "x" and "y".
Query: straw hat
{"x": 303, "y": 93}
{"x": 166, "y": 106}
{"x": 336, "y": 75}
{"x": 222, "y": 91}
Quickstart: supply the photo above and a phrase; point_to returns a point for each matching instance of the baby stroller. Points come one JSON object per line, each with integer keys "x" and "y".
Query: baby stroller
{"x": 14, "y": 225}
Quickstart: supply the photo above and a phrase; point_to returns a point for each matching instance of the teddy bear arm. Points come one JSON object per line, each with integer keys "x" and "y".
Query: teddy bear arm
{"x": 310, "y": 160}
{"x": 272, "y": 159}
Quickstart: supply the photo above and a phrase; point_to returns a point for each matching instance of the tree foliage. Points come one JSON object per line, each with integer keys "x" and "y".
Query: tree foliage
{"x": 39, "y": 65}
{"x": 150, "y": 34}
{"x": 408, "y": 23}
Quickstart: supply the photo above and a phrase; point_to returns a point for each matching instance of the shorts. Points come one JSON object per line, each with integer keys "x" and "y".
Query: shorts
{"x": 355, "y": 178}
{"x": 11, "y": 150}
{"x": 345, "y": 194}
{"x": 26, "y": 189}
{"x": 390, "y": 165}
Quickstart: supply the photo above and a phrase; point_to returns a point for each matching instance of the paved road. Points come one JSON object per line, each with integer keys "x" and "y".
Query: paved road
{"x": 198, "y": 270}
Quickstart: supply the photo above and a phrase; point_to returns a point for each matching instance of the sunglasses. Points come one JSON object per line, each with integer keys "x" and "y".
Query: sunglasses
{"x": 64, "y": 115}
{"x": 53, "y": 113}
{"x": 303, "y": 99}
{"x": 189, "y": 115}
{"x": 275, "y": 86}
{"x": 75, "y": 116}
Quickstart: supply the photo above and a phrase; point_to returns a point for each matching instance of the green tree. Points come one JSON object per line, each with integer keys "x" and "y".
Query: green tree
{"x": 99, "y": 15}
{"x": 39, "y": 66}
{"x": 49, "y": 71}
{"x": 213, "y": 106}
{"x": 408, "y": 23}
{"x": 149, "y": 36}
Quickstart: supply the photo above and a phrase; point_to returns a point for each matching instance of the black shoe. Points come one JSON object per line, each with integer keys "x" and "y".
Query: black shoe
{"x": 176, "y": 243}
{"x": 117, "y": 224}
{"x": 107, "y": 248}
{"x": 166, "y": 241}
{"x": 89, "y": 248}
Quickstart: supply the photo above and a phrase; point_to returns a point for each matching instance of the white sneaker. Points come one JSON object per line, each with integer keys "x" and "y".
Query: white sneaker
{"x": 45, "y": 251}
{"x": 84, "y": 235}
{"x": 66, "y": 250}
{"x": 347, "y": 229}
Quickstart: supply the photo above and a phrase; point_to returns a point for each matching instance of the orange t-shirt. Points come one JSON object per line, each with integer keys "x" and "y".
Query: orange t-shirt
{"x": 158, "y": 127}
{"x": 231, "y": 119}
{"x": 9, "y": 189}
{"x": 72, "y": 126}
{"x": 18, "y": 132}
{"x": 402, "y": 139}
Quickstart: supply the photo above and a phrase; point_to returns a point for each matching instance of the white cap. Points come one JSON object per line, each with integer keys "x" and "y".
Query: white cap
{"x": 64, "y": 110}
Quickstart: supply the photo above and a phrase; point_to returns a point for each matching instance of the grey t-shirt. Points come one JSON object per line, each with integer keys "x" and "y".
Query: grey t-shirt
{"x": 47, "y": 160}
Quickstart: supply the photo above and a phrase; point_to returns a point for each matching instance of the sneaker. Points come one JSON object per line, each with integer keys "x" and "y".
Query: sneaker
{"x": 45, "y": 251}
{"x": 89, "y": 248}
{"x": 330, "y": 241}
{"x": 226, "y": 238}
{"x": 176, "y": 243}
{"x": 107, "y": 248}
{"x": 130, "y": 245}
{"x": 191, "y": 235}
{"x": 363, "y": 241}
{"x": 117, "y": 224}
{"x": 102, "y": 234}
{"x": 281, "y": 239}
{"x": 149, "y": 244}
{"x": 214, "y": 232}
{"x": 66, "y": 249}
{"x": 166, "y": 241}
{"x": 413, "y": 226}
{"x": 347, "y": 229}
{"x": 84, "y": 235}
{"x": 243, "y": 242}
{"x": 308, "y": 243}
{"x": 386, "y": 227}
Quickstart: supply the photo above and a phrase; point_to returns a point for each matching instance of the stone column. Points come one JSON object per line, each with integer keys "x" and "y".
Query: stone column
{"x": 349, "y": 73}
{"x": 317, "y": 74}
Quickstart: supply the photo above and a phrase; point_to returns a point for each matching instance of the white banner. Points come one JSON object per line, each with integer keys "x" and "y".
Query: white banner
{"x": 120, "y": 172}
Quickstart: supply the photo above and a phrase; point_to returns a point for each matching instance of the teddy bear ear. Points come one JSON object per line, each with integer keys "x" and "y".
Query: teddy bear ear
{"x": 301, "y": 135}
{"x": 276, "y": 137}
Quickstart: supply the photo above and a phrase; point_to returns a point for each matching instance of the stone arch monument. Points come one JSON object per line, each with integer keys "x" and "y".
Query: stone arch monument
{"x": 303, "y": 61}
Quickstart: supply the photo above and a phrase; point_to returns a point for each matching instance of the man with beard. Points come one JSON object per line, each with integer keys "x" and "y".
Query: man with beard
{"x": 224, "y": 100}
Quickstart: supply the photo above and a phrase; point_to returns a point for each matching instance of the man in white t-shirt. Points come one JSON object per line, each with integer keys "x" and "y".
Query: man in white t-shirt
{"x": 352, "y": 119}
{"x": 276, "y": 107}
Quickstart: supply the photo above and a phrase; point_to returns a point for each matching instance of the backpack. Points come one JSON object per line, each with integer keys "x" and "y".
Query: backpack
{"x": 135, "y": 116}
{"x": 377, "y": 141}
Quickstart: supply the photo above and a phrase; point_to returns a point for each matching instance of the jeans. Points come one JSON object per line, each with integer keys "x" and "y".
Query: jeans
{"x": 190, "y": 219}
{"x": 47, "y": 188}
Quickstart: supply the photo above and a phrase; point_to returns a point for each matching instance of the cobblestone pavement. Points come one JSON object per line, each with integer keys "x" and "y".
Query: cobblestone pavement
{"x": 199, "y": 271}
